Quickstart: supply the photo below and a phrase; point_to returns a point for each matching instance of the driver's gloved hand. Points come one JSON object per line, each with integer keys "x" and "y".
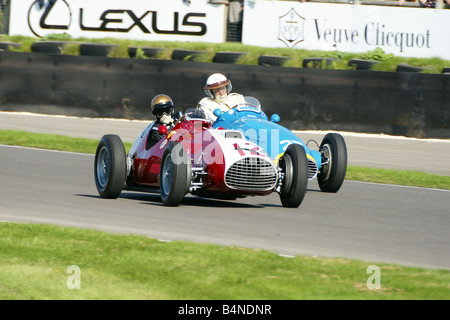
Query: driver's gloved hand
{"x": 177, "y": 115}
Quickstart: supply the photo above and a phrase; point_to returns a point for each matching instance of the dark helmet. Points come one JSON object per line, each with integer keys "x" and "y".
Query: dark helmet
{"x": 162, "y": 104}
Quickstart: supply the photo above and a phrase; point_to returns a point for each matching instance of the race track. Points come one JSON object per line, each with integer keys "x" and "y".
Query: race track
{"x": 373, "y": 222}
{"x": 366, "y": 150}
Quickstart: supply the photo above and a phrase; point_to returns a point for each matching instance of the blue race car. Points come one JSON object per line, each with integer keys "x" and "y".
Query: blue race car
{"x": 296, "y": 162}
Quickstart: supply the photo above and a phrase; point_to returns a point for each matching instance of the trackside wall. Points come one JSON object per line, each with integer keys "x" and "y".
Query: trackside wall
{"x": 397, "y": 103}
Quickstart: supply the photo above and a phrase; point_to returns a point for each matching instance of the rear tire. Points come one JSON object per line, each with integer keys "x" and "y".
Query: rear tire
{"x": 175, "y": 174}
{"x": 332, "y": 175}
{"x": 110, "y": 166}
{"x": 295, "y": 168}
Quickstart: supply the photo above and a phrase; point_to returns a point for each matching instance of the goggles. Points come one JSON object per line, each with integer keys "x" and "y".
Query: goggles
{"x": 160, "y": 111}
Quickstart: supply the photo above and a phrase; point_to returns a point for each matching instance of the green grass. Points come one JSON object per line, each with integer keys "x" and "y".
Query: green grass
{"x": 34, "y": 260}
{"x": 389, "y": 62}
{"x": 398, "y": 177}
{"x": 64, "y": 143}
{"x": 50, "y": 141}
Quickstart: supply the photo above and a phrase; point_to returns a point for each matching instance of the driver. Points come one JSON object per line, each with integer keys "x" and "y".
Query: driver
{"x": 162, "y": 108}
{"x": 218, "y": 91}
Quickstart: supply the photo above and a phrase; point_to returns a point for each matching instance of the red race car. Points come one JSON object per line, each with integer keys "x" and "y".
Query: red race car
{"x": 195, "y": 158}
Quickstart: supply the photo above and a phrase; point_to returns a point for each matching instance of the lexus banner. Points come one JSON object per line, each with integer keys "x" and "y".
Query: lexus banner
{"x": 153, "y": 20}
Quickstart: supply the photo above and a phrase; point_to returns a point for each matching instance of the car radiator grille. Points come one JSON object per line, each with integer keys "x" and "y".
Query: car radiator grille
{"x": 312, "y": 169}
{"x": 255, "y": 174}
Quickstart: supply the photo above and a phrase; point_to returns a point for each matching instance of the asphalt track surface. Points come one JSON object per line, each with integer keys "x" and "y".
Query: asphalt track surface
{"x": 371, "y": 222}
{"x": 427, "y": 155}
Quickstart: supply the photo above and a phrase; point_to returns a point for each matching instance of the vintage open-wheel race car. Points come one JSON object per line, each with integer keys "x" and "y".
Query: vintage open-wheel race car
{"x": 219, "y": 160}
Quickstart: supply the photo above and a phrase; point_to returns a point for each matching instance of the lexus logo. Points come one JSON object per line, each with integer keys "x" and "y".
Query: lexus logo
{"x": 55, "y": 16}
{"x": 42, "y": 17}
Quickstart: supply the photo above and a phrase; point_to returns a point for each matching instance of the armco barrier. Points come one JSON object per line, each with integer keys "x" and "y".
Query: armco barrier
{"x": 398, "y": 103}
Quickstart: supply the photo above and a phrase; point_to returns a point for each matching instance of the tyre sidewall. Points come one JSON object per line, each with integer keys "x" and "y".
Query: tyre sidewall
{"x": 293, "y": 195}
{"x": 180, "y": 174}
{"x": 338, "y": 169}
{"x": 116, "y": 167}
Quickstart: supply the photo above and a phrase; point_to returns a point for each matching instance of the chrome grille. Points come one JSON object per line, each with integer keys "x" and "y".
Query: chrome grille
{"x": 252, "y": 173}
{"x": 312, "y": 169}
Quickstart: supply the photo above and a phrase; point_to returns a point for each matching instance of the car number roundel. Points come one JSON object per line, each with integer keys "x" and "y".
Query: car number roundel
{"x": 246, "y": 149}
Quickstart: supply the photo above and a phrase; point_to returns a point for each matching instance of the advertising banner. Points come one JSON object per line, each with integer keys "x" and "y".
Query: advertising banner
{"x": 410, "y": 32}
{"x": 152, "y": 20}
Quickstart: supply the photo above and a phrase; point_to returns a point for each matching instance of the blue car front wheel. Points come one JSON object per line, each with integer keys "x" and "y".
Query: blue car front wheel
{"x": 334, "y": 158}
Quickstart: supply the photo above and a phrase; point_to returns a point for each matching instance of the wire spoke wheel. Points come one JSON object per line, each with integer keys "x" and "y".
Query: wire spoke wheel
{"x": 167, "y": 175}
{"x": 103, "y": 167}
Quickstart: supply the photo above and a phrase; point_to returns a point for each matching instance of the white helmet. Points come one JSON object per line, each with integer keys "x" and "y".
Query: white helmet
{"x": 216, "y": 81}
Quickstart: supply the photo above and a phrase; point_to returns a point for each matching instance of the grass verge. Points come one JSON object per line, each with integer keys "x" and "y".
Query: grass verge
{"x": 64, "y": 143}
{"x": 35, "y": 261}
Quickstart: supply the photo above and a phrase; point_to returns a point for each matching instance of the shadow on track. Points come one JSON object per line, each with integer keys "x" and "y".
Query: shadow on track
{"x": 192, "y": 201}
